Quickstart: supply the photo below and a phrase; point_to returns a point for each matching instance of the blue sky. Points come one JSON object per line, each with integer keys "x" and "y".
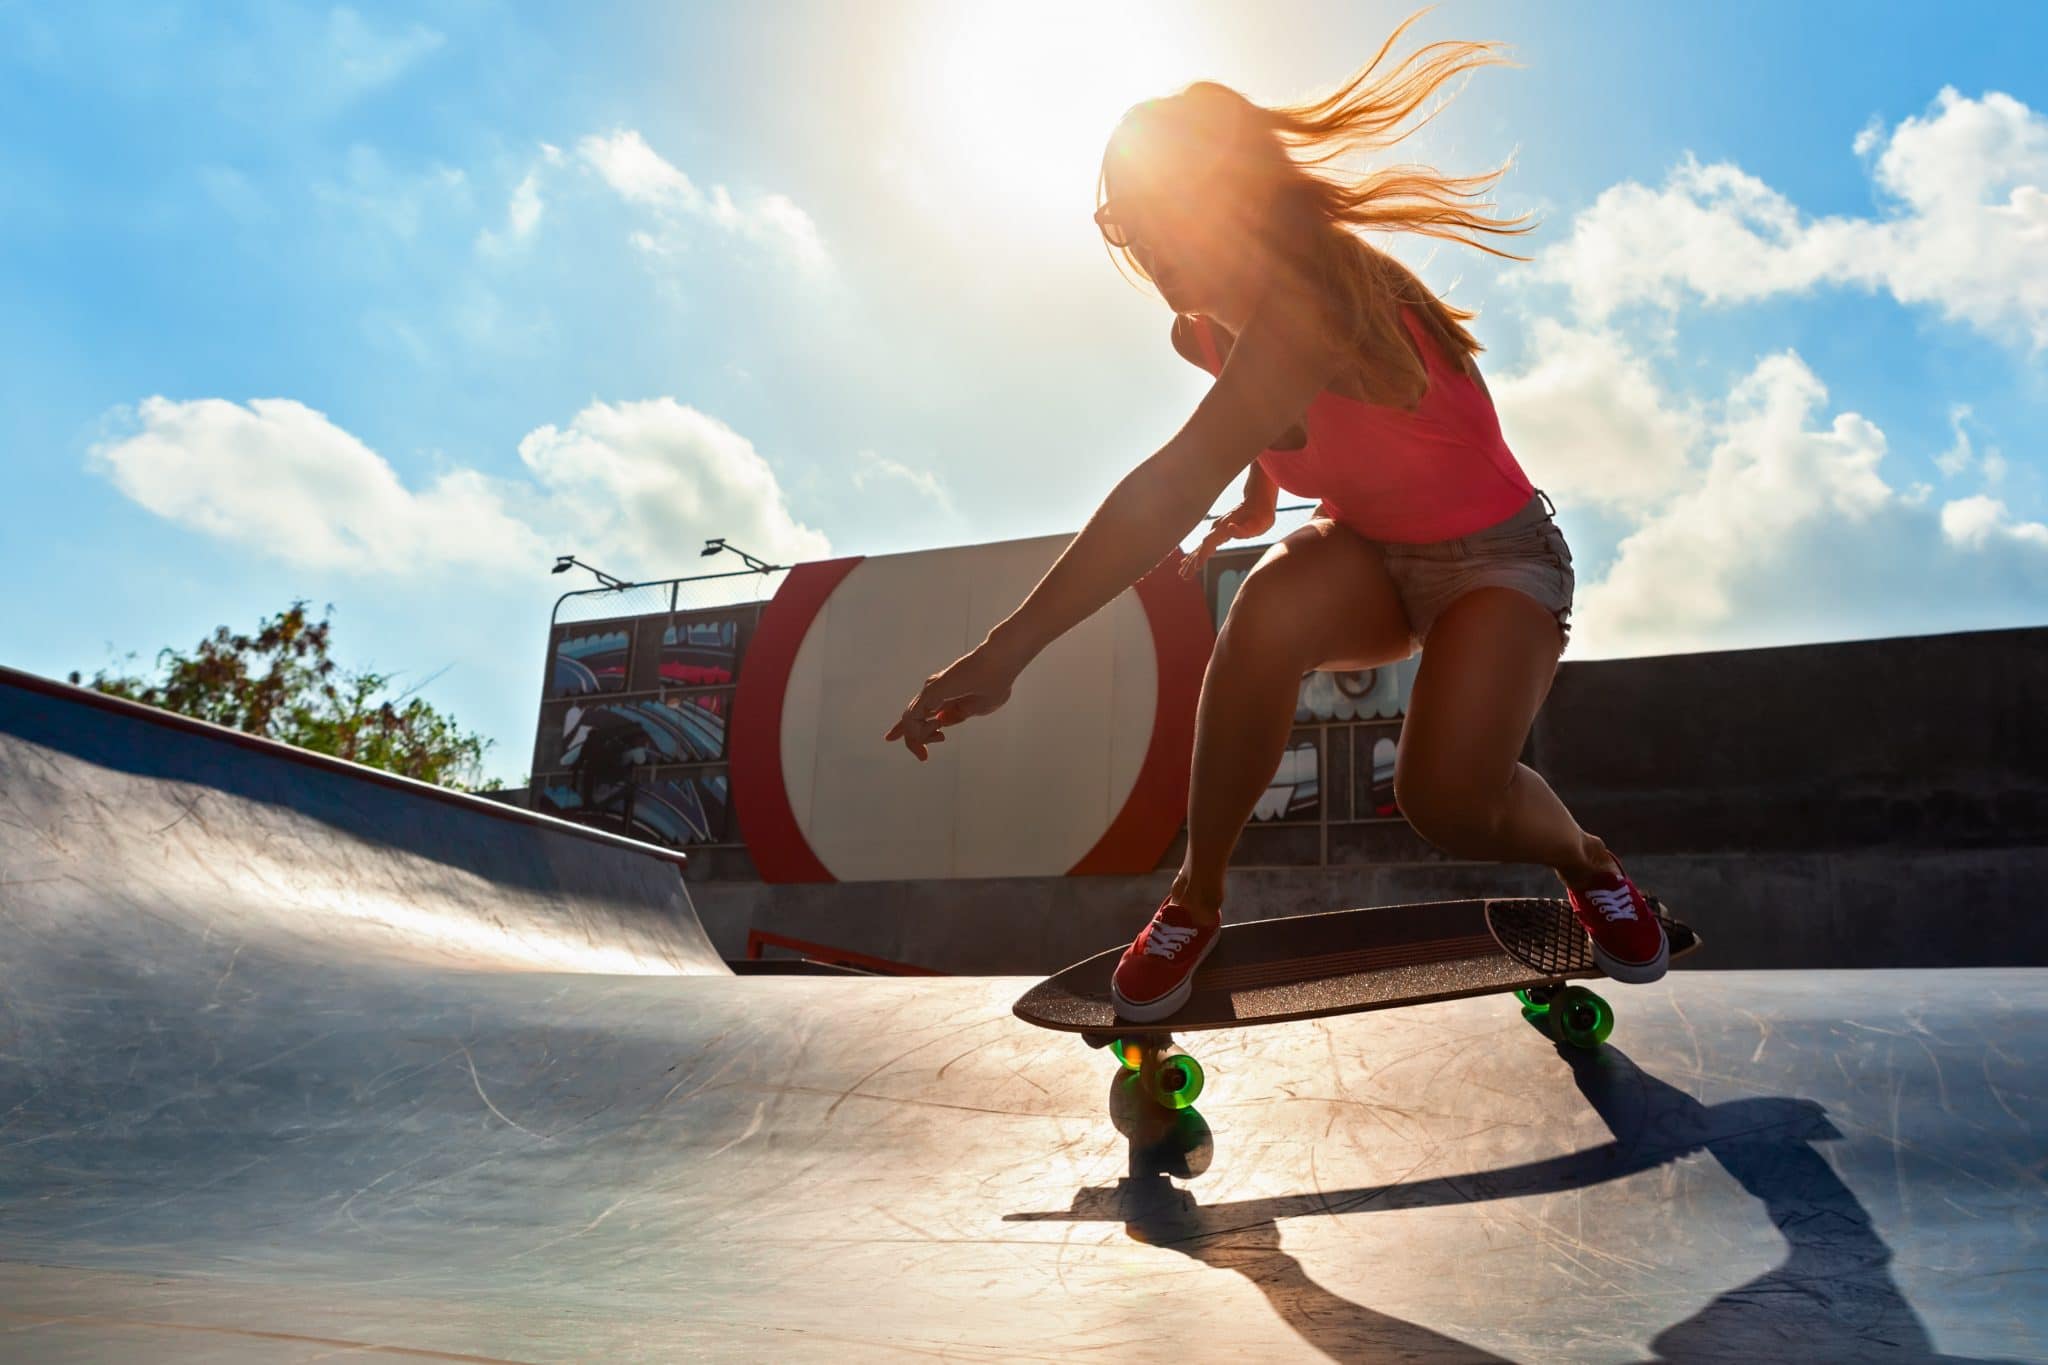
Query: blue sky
{"x": 384, "y": 306}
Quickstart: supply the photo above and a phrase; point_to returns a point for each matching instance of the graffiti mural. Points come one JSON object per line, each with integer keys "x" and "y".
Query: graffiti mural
{"x": 699, "y": 721}
{"x": 684, "y": 729}
{"x": 1295, "y": 793}
{"x": 679, "y": 809}
{"x": 597, "y": 662}
{"x": 1360, "y": 694}
{"x": 699, "y": 653}
{"x": 1372, "y": 771}
{"x": 634, "y": 731}
{"x": 1360, "y": 709}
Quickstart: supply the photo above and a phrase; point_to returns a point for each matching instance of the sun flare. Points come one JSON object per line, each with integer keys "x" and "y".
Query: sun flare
{"x": 1022, "y": 100}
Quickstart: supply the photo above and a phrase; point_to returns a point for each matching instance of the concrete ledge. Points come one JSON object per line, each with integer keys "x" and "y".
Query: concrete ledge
{"x": 1854, "y": 908}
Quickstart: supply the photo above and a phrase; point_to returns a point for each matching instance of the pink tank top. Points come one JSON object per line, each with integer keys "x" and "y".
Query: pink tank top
{"x": 1437, "y": 473}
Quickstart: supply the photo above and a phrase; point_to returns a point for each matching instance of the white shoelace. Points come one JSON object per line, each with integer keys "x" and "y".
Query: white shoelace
{"x": 1615, "y": 903}
{"x": 1167, "y": 939}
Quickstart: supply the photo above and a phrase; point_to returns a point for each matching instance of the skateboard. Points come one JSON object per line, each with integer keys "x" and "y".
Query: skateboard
{"x": 1344, "y": 962}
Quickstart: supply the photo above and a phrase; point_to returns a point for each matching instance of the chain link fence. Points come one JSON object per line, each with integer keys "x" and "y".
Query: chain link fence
{"x": 743, "y": 587}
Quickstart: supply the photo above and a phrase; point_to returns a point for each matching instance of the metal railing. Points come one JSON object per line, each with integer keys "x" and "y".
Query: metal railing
{"x": 737, "y": 588}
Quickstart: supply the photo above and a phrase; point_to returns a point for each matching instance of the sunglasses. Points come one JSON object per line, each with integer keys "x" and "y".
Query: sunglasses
{"x": 1114, "y": 230}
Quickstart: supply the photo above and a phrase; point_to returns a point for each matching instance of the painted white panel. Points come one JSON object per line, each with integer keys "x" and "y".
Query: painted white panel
{"x": 1026, "y": 791}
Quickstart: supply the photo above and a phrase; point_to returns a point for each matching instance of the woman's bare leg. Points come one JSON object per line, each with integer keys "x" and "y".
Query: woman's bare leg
{"x": 1321, "y": 598}
{"x": 1492, "y": 656}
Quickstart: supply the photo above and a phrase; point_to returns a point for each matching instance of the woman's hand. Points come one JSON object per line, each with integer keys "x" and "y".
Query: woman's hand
{"x": 974, "y": 684}
{"x": 1248, "y": 520}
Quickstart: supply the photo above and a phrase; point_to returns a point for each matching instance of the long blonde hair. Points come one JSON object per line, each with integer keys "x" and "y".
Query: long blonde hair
{"x": 1255, "y": 162}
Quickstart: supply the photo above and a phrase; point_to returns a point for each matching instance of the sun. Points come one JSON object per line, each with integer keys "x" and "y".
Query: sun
{"x": 1022, "y": 98}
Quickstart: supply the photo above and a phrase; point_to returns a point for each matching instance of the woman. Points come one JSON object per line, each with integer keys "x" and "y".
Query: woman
{"x": 1340, "y": 377}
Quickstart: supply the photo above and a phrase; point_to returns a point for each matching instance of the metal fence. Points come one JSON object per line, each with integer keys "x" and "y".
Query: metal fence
{"x": 701, "y": 592}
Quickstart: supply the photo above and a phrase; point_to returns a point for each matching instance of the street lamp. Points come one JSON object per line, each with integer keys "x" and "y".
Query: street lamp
{"x": 712, "y": 547}
{"x": 564, "y": 563}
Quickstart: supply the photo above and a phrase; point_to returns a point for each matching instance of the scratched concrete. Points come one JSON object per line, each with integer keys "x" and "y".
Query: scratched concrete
{"x": 295, "y": 1064}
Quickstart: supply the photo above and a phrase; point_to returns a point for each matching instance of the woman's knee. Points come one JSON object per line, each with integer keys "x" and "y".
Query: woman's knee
{"x": 1321, "y": 594}
{"x": 1267, "y": 620}
{"x": 1449, "y": 810}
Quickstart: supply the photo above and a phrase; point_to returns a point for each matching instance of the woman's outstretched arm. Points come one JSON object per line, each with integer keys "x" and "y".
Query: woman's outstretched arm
{"x": 1275, "y": 370}
{"x": 1273, "y": 373}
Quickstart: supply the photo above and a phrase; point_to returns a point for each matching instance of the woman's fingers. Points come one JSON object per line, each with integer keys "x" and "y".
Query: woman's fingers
{"x": 920, "y": 731}
{"x": 913, "y": 711}
{"x": 921, "y": 722}
{"x": 913, "y": 721}
{"x": 975, "y": 684}
{"x": 1195, "y": 558}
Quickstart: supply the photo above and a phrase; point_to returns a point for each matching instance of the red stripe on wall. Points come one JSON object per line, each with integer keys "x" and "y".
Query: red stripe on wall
{"x": 768, "y": 825}
{"x": 1182, "y": 638}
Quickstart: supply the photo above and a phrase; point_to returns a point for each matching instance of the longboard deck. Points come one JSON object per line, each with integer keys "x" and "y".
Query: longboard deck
{"x": 1344, "y": 961}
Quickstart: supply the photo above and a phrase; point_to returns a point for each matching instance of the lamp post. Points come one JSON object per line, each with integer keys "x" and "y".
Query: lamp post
{"x": 717, "y": 545}
{"x": 564, "y": 563}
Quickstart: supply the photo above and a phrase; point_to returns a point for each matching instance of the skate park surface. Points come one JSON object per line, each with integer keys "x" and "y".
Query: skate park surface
{"x": 300, "y": 1063}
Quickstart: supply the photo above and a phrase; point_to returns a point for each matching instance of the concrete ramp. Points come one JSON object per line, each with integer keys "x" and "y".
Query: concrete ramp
{"x": 297, "y": 1063}
{"x": 139, "y": 830}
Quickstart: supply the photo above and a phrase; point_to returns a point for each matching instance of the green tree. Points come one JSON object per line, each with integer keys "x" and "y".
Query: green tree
{"x": 281, "y": 684}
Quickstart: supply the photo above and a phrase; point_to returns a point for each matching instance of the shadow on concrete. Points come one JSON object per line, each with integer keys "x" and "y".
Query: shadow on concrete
{"x": 1832, "y": 1298}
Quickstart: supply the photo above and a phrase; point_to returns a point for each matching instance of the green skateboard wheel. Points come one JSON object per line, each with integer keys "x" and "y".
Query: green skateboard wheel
{"x": 1175, "y": 1081}
{"x": 1579, "y": 1018}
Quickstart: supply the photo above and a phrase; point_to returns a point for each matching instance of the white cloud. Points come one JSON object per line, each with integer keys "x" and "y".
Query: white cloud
{"x": 1592, "y": 417}
{"x": 398, "y": 205}
{"x": 1759, "y": 517}
{"x": 675, "y": 210}
{"x": 1962, "y": 455}
{"x": 640, "y": 176}
{"x": 524, "y": 213}
{"x": 357, "y": 57}
{"x": 874, "y": 469}
{"x": 1784, "y": 531}
{"x": 653, "y": 479}
{"x": 1984, "y": 521}
{"x": 1965, "y": 232}
{"x": 1958, "y": 456}
{"x": 524, "y": 209}
{"x": 639, "y": 484}
{"x": 282, "y": 479}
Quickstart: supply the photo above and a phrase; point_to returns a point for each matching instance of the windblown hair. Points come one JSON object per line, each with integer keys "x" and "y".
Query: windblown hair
{"x": 1212, "y": 156}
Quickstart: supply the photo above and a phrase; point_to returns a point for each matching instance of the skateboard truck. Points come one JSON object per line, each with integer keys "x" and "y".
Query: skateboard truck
{"x": 1166, "y": 1074}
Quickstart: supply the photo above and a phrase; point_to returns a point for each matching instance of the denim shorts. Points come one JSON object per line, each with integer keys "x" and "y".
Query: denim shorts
{"x": 1527, "y": 552}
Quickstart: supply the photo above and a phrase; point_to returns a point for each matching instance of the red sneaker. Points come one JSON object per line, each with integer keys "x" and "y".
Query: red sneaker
{"x": 1628, "y": 942}
{"x": 1156, "y": 973}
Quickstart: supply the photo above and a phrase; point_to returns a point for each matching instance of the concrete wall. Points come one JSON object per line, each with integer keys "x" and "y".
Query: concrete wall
{"x": 1872, "y": 804}
{"x": 1932, "y": 742}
